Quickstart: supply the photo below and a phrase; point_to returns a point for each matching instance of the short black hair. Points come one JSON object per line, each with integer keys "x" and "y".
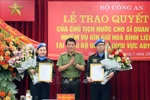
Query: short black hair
{"x": 70, "y": 40}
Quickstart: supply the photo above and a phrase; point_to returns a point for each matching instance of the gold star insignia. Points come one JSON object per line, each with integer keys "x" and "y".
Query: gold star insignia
{"x": 15, "y": 9}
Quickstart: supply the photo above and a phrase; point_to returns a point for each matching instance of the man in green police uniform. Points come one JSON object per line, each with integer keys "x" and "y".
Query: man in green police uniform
{"x": 70, "y": 64}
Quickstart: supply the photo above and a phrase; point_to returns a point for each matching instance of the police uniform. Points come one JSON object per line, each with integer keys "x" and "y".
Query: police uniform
{"x": 70, "y": 76}
{"x": 41, "y": 90}
{"x": 98, "y": 91}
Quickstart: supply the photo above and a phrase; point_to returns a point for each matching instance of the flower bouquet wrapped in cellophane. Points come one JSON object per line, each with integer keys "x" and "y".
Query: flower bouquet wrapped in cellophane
{"x": 115, "y": 60}
{"x": 28, "y": 61}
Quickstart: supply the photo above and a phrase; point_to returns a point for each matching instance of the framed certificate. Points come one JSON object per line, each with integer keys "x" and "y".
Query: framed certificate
{"x": 45, "y": 72}
{"x": 97, "y": 72}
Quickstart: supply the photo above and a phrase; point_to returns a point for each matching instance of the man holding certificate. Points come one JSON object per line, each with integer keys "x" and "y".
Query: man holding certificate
{"x": 95, "y": 74}
{"x": 70, "y": 64}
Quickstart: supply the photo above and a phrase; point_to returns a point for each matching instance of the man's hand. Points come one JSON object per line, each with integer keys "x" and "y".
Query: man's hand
{"x": 89, "y": 79}
{"x": 64, "y": 67}
{"x": 111, "y": 75}
{"x": 71, "y": 62}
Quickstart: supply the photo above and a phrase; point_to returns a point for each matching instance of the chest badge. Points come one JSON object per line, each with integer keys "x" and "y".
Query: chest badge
{"x": 94, "y": 60}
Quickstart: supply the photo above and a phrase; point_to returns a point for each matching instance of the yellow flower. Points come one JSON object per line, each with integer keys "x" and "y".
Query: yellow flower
{"x": 7, "y": 53}
{"x": 11, "y": 43}
{"x": 5, "y": 66}
{"x": 13, "y": 48}
{"x": 1, "y": 58}
{"x": 7, "y": 98}
{"x": 118, "y": 59}
{"x": 18, "y": 42}
{"x": 124, "y": 55}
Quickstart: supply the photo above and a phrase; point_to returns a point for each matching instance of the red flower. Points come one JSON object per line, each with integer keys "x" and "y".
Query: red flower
{"x": 0, "y": 43}
{"x": 120, "y": 54}
{"x": 11, "y": 69}
{"x": 7, "y": 58}
{"x": 8, "y": 40}
{"x": 2, "y": 62}
{"x": 1, "y": 35}
{"x": 14, "y": 74}
{"x": 2, "y": 94}
{"x": 123, "y": 60}
{"x": 113, "y": 52}
{"x": 1, "y": 50}
{"x": 109, "y": 50}
{"x": 115, "y": 49}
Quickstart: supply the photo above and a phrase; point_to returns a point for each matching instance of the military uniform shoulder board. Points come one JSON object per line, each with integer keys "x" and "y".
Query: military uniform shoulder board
{"x": 49, "y": 57}
{"x": 77, "y": 52}
{"x": 63, "y": 53}
{"x": 95, "y": 54}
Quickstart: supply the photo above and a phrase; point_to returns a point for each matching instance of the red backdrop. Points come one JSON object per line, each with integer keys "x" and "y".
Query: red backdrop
{"x": 128, "y": 85}
{"x": 88, "y": 21}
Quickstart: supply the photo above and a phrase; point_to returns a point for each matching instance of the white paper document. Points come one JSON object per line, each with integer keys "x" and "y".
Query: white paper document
{"x": 97, "y": 72}
{"x": 45, "y": 72}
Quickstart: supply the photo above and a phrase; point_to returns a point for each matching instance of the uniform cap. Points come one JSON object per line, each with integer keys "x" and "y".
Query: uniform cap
{"x": 99, "y": 41}
{"x": 41, "y": 45}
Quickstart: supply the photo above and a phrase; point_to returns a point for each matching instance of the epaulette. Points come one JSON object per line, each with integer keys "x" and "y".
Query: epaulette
{"x": 93, "y": 54}
{"x": 49, "y": 57}
{"x": 63, "y": 53}
{"x": 77, "y": 52}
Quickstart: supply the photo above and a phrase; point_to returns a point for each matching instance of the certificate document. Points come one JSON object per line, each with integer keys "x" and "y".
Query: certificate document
{"x": 97, "y": 72}
{"x": 45, "y": 72}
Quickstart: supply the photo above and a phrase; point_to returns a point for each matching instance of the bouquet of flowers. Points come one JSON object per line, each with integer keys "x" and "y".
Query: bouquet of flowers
{"x": 7, "y": 87}
{"x": 15, "y": 58}
{"x": 8, "y": 46}
{"x": 23, "y": 59}
{"x": 115, "y": 60}
{"x": 29, "y": 63}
